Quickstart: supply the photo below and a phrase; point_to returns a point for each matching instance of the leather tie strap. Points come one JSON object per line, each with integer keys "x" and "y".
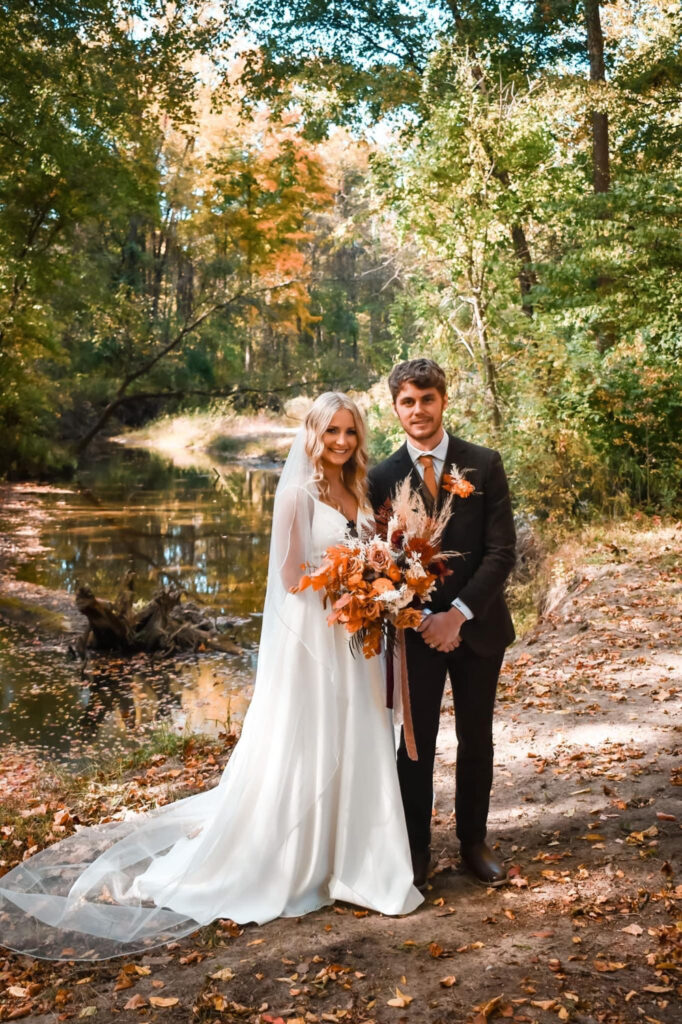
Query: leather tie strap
{"x": 398, "y": 690}
{"x": 429, "y": 475}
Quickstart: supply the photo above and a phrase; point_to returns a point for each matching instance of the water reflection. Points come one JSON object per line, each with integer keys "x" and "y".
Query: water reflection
{"x": 136, "y": 511}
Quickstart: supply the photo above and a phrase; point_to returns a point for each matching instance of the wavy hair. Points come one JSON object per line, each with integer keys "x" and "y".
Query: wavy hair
{"x": 354, "y": 471}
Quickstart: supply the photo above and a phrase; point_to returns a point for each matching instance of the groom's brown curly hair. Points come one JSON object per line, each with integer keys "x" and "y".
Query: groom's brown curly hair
{"x": 423, "y": 373}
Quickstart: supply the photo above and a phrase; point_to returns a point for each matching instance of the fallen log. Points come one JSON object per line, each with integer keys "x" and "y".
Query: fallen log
{"x": 165, "y": 625}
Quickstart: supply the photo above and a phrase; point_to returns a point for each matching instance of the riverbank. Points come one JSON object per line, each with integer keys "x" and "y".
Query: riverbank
{"x": 206, "y": 439}
{"x": 584, "y": 813}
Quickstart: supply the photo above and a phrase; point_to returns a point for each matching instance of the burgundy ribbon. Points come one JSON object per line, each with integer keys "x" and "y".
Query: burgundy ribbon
{"x": 399, "y": 655}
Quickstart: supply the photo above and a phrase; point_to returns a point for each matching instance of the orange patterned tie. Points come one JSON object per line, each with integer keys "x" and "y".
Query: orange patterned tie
{"x": 429, "y": 475}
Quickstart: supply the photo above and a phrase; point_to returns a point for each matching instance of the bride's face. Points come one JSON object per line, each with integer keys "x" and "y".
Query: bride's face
{"x": 340, "y": 439}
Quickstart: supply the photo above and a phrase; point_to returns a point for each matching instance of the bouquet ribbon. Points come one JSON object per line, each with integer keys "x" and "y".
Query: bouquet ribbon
{"x": 396, "y": 673}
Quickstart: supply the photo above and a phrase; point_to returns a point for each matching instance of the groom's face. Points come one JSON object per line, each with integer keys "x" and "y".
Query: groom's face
{"x": 420, "y": 411}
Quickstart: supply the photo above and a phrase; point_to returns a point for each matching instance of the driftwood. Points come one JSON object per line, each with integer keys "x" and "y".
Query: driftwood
{"x": 165, "y": 625}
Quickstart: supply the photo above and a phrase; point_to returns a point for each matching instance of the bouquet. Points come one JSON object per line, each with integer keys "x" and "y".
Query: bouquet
{"x": 379, "y": 584}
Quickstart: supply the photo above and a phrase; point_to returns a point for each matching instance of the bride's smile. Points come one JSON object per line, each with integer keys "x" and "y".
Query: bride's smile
{"x": 340, "y": 440}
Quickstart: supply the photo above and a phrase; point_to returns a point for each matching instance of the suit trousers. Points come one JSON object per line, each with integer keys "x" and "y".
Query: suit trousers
{"x": 473, "y": 680}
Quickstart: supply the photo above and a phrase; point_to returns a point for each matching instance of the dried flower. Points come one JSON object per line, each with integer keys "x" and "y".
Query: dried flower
{"x": 455, "y": 482}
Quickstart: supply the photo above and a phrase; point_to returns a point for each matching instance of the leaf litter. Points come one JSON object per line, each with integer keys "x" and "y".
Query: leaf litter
{"x": 585, "y": 813}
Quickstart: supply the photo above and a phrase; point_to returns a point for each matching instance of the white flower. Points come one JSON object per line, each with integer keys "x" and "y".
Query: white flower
{"x": 394, "y": 600}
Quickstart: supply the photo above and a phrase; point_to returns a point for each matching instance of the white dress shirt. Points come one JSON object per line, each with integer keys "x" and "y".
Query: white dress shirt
{"x": 439, "y": 455}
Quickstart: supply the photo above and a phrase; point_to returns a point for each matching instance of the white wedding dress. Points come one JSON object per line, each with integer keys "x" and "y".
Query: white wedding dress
{"x": 307, "y": 811}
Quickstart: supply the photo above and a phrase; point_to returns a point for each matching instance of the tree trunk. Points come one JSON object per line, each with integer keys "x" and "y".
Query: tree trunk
{"x": 488, "y": 364}
{"x": 601, "y": 172}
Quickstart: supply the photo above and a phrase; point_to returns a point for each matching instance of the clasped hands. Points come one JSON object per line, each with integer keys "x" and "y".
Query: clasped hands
{"x": 440, "y": 630}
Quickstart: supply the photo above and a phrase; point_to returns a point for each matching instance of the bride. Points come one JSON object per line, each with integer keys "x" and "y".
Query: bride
{"x": 308, "y": 808}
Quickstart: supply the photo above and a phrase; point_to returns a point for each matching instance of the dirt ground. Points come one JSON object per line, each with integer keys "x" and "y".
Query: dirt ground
{"x": 585, "y": 812}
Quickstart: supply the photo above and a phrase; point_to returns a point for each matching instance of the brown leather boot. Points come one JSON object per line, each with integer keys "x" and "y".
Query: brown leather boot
{"x": 483, "y": 864}
{"x": 420, "y": 866}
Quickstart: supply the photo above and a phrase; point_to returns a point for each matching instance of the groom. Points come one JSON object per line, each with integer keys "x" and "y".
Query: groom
{"x": 468, "y": 625}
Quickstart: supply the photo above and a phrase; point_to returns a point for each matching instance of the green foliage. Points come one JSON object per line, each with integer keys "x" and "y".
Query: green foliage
{"x": 176, "y": 226}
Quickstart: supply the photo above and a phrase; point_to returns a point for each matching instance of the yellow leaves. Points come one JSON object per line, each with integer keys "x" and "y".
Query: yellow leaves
{"x": 224, "y": 974}
{"x": 604, "y": 966}
{"x": 486, "y": 1010}
{"x": 125, "y": 977}
{"x": 164, "y": 1001}
{"x": 400, "y": 1000}
{"x": 637, "y": 838}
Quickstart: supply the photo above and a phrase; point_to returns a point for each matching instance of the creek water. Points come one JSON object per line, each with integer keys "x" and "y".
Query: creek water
{"x": 206, "y": 528}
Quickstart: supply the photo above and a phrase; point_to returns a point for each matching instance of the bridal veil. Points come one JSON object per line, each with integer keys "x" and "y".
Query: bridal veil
{"x": 126, "y": 885}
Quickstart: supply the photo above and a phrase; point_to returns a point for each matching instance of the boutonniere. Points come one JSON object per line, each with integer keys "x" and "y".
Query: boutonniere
{"x": 455, "y": 482}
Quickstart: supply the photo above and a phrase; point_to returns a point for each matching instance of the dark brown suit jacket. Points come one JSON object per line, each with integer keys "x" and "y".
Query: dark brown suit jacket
{"x": 481, "y": 529}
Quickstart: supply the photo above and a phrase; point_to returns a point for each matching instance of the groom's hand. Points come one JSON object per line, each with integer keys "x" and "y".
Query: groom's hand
{"x": 441, "y": 629}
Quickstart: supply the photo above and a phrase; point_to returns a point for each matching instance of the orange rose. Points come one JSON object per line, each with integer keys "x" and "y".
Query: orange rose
{"x": 408, "y": 618}
{"x": 457, "y": 484}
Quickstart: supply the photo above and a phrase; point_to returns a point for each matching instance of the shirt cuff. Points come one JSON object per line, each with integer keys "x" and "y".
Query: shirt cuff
{"x": 463, "y": 608}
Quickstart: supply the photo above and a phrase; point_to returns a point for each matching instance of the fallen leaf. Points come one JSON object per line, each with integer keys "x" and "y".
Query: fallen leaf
{"x": 164, "y": 1000}
{"x": 224, "y": 974}
{"x": 489, "y": 1008}
{"x": 135, "y": 1002}
{"x": 401, "y": 999}
{"x": 657, "y": 988}
{"x": 633, "y": 929}
{"x": 662, "y": 816}
{"x": 88, "y": 1011}
{"x": 448, "y": 982}
{"x": 608, "y": 965}
{"x": 435, "y": 950}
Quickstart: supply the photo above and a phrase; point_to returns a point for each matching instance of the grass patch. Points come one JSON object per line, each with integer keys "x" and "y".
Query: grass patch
{"x": 34, "y": 794}
{"x": 24, "y": 613}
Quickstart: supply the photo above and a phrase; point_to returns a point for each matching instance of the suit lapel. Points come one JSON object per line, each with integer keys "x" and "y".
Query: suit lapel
{"x": 404, "y": 466}
{"x": 455, "y": 454}
{"x": 450, "y": 457}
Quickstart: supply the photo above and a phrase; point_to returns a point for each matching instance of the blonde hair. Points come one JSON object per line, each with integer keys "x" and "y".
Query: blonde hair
{"x": 354, "y": 471}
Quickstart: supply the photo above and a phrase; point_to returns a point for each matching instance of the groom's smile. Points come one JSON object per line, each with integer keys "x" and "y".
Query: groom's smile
{"x": 420, "y": 411}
